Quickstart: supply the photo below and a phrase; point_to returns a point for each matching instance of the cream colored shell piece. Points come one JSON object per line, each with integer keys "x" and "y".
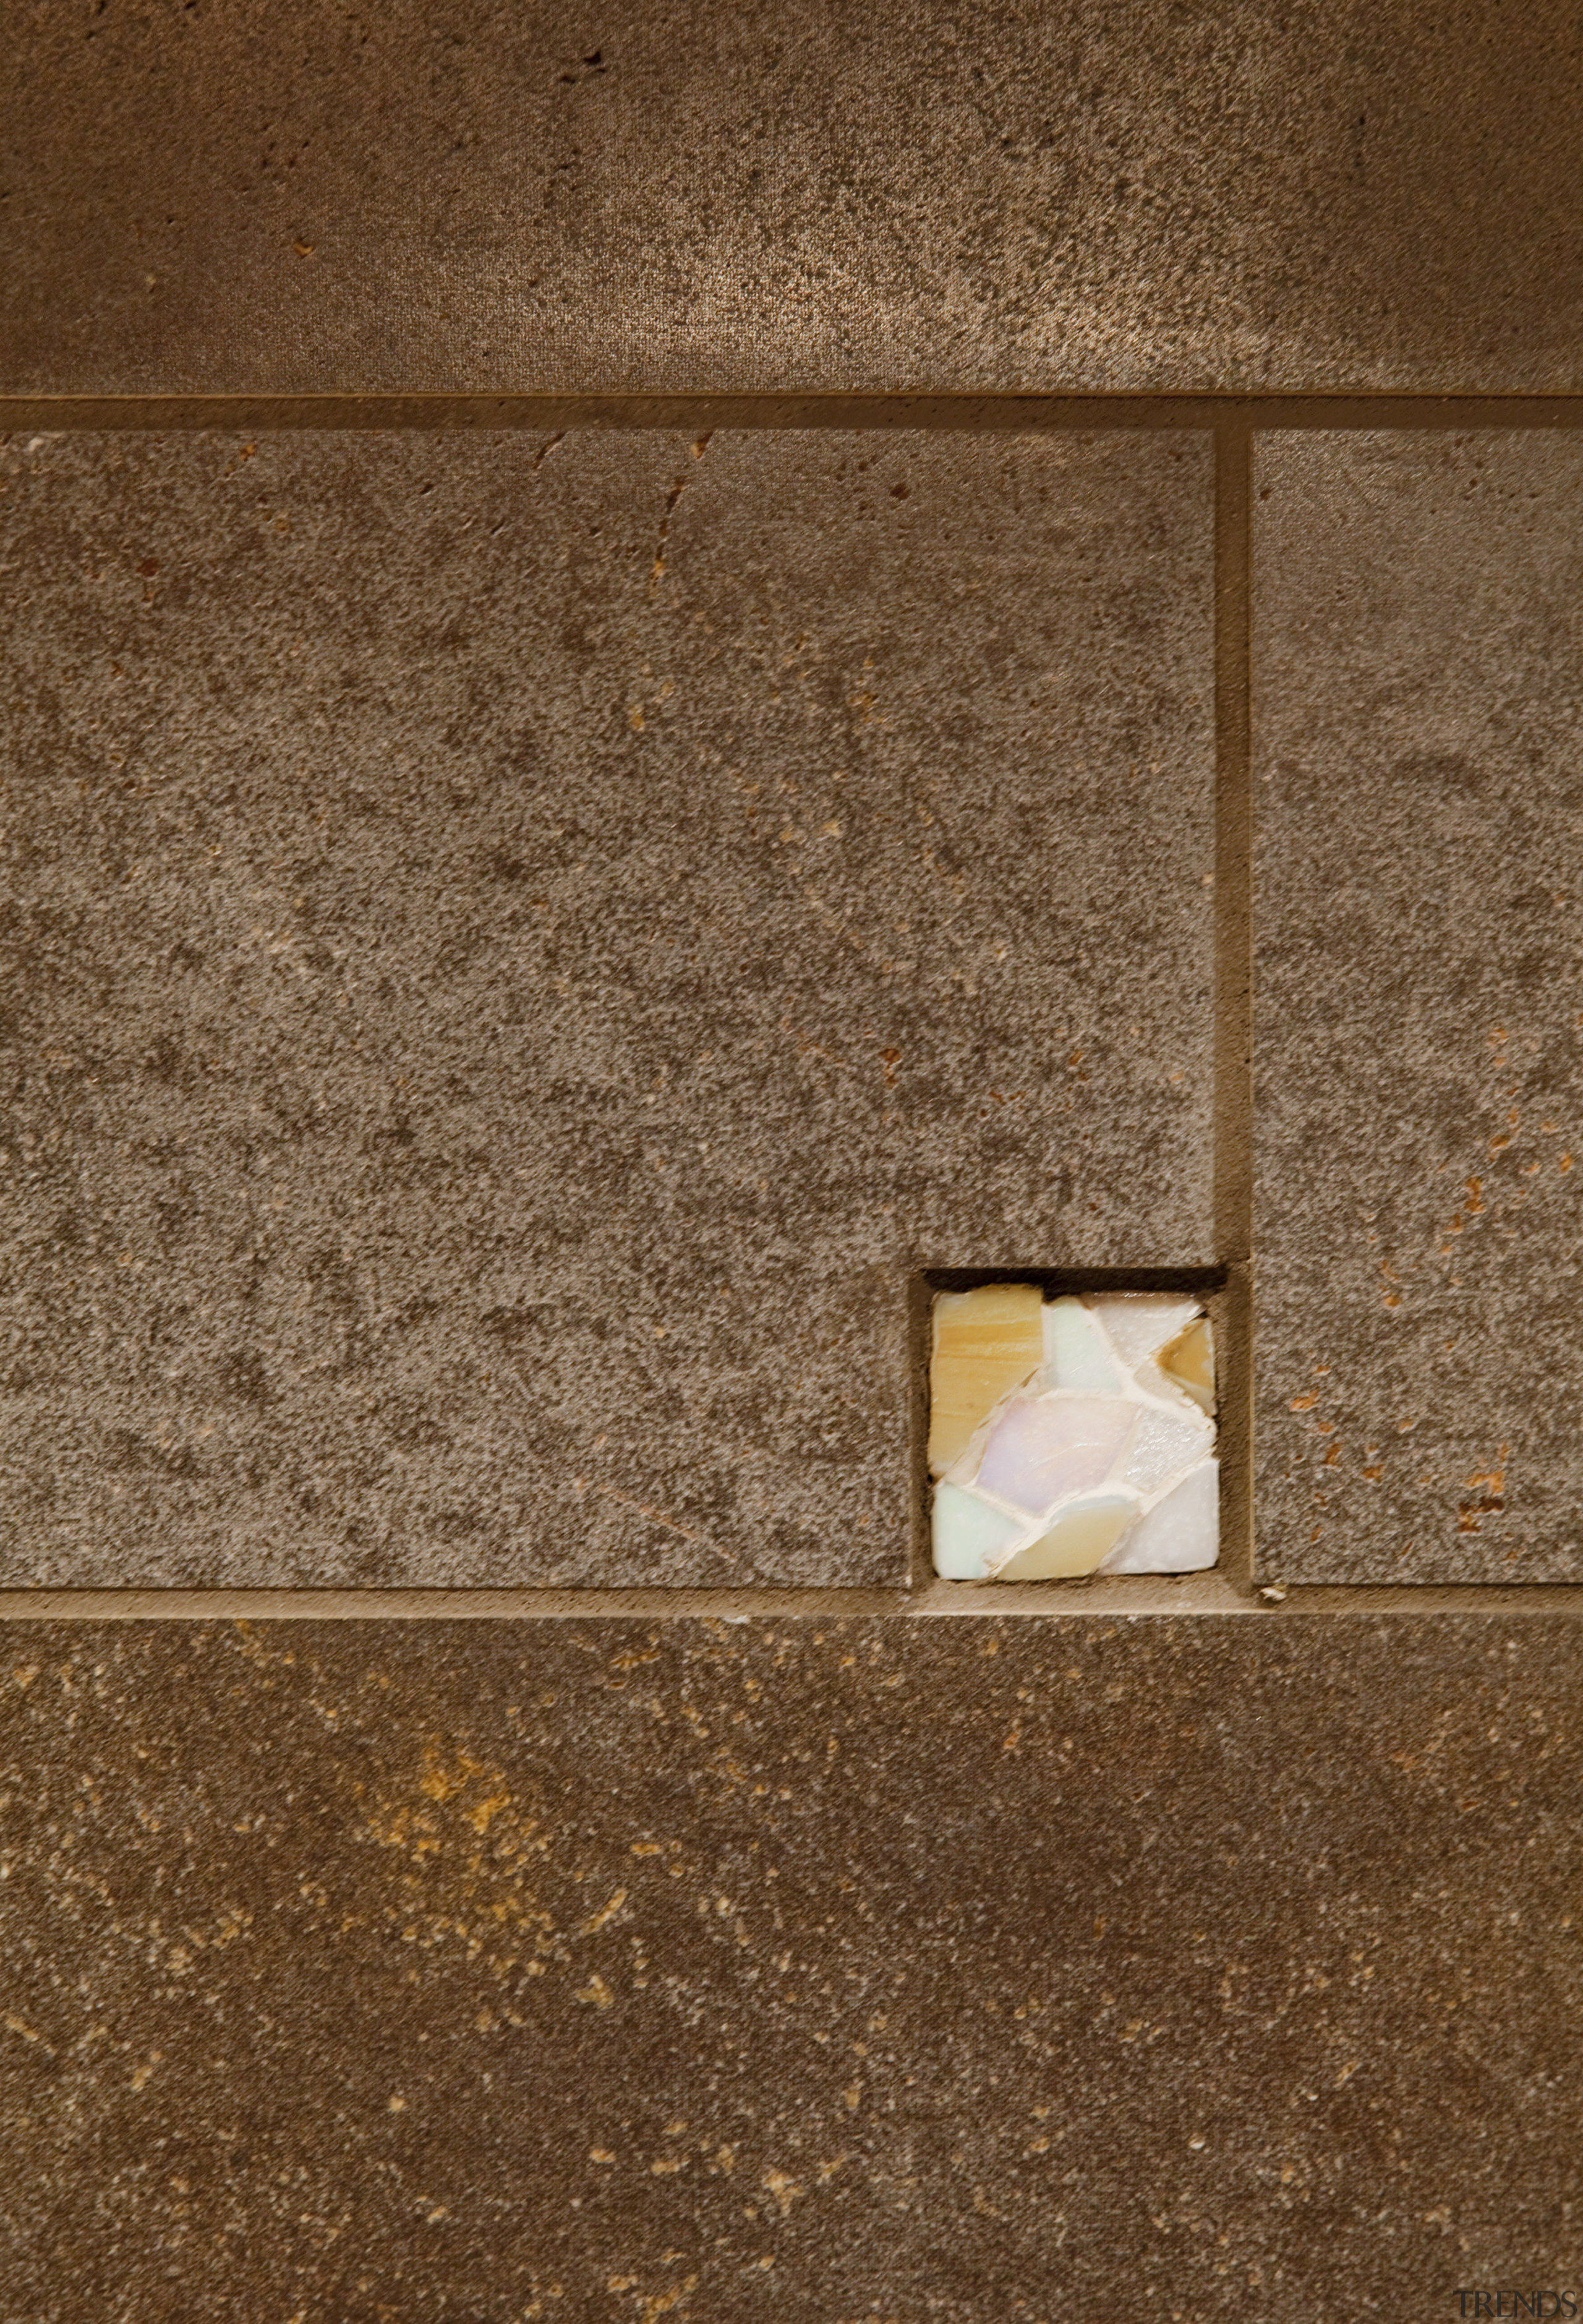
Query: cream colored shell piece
{"x": 987, "y": 1342}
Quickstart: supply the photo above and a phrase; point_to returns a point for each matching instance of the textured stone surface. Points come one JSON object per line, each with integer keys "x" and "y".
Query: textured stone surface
{"x": 1420, "y": 1092}
{"x": 1000, "y": 196}
{"x": 517, "y": 949}
{"x": 953, "y": 1969}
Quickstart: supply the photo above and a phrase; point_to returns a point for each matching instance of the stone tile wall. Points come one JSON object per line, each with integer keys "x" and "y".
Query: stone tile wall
{"x": 669, "y": 676}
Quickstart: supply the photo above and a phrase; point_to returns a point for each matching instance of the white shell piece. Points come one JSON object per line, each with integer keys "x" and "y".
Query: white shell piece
{"x": 1162, "y": 1447}
{"x": 970, "y": 1538}
{"x": 1153, "y": 1382}
{"x": 1043, "y": 1448}
{"x": 1180, "y": 1534}
{"x": 1141, "y": 1323}
{"x": 1076, "y": 1354}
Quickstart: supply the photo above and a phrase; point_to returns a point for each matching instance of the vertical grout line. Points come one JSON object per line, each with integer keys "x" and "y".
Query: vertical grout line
{"x": 1233, "y": 858}
{"x": 1234, "y": 1091}
{"x": 920, "y": 1346}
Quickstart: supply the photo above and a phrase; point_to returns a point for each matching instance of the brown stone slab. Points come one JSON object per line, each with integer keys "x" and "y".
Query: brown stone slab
{"x": 958, "y": 1969}
{"x": 1125, "y": 197}
{"x": 1418, "y": 1097}
{"x": 519, "y": 950}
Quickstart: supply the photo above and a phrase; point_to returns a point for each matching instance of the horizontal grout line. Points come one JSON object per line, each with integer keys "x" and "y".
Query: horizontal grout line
{"x": 903, "y": 408}
{"x": 1193, "y": 1595}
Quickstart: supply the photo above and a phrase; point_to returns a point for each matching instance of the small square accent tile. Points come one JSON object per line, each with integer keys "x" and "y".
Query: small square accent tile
{"x": 1071, "y": 1435}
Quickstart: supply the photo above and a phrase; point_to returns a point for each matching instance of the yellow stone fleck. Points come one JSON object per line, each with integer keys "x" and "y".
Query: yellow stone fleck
{"x": 987, "y": 1342}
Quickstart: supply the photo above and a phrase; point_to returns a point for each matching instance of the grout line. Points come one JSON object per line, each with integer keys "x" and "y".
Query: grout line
{"x": 1233, "y": 1069}
{"x": 904, "y": 408}
{"x": 1124, "y": 1599}
{"x": 921, "y": 1292}
{"x": 1233, "y": 1111}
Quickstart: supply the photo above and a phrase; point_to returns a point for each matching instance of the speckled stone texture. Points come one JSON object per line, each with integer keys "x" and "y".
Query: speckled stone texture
{"x": 1418, "y": 1098}
{"x": 1001, "y": 195}
{"x": 519, "y": 946}
{"x": 958, "y": 1970}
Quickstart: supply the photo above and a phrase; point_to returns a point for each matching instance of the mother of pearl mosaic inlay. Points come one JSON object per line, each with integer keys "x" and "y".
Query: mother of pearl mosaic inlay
{"x": 1071, "y": 1436}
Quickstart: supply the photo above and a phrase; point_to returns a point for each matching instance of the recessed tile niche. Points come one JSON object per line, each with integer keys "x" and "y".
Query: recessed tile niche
{"x": 1071, "y": 1434}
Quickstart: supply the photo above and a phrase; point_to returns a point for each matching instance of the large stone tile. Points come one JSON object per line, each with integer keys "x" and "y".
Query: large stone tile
{"x": 520, "y": 948}
{"x": 1095, "y": 195}
{"x": 960, "y": 1969}
{"x": 1420, "y": 1098}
